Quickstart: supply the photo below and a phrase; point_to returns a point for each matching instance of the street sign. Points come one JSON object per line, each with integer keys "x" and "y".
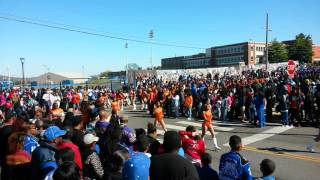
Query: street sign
{"x": 291, "y": 68}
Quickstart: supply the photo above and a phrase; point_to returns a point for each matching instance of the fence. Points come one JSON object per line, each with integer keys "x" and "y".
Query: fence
{"x": 167, "y": 75}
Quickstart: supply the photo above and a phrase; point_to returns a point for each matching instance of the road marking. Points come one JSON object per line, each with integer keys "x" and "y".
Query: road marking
{"x": 263, "y": 135}
{"x": 176, "y": 128}
{"x": 283, "y": 154}
{"x": 200, "y": 125}
{"x": 182, "y": 128}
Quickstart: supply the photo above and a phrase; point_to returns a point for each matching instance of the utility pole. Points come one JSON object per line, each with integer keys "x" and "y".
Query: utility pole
{"x": 8, "y": 72}
{"x": 126, "y": 56}
{"x": 267, "y": 45}
{"x": 22, "y": 60}
{"x": 83, "y": 73}
{"x": 151, "y": 35}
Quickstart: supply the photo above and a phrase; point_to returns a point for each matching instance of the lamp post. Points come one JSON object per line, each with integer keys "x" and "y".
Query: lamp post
{"x": 126, "y": 47}
{"x": 22, "y": 60}
{"x": 151, "y": 35}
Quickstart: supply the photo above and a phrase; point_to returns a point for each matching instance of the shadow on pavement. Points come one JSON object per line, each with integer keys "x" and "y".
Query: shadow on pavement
{"x": 282, "y": 150}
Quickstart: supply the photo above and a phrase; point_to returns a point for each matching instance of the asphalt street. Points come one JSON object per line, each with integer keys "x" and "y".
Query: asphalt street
{"x": 285, "y": 146}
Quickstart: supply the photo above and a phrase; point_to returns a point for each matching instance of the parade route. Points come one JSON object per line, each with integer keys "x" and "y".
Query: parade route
{"x": 284, "y": 145}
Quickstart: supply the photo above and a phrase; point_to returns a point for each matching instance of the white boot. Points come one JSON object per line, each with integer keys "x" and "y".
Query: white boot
{"x": 215, "y": 144}
{"x": 134, "y": 107}
{"x": 310, "y": 147}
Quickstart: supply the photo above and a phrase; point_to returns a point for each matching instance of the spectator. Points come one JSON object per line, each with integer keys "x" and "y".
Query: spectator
{"x": 127, "y": 135}
{"x": 92, "y": 165}
{"x": 66, "y": 143}
{"x": 154, "y": 144}
{"x": 30, "y": 140}
{"x": 5, "y": 132}
{"x": 56, "y": 113}
{"x": 192, "y": 144}
{"x": 137, "y": 167}
{"x": 205, "y": 171}
{"x": 17, "y": 160}
{"x": 176, "y": 102}
{"x": 77, "y": 137}
{"x": 232, "y": 164}
{"x": 118, "y": 158}
{"x": 67, "y": 171}
{"x": 267, "y": 167}
{"x": 188, "y": 104}
{"x": 162, "y": 166}
{"x": 43, "y": 157}
{"x": 102, "y": 124}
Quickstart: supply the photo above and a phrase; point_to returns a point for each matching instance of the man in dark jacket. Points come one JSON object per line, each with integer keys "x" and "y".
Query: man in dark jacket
{"x": 5, "y": 132}
{"x": 43, "y": 157}
{"x": 162, "y": 166}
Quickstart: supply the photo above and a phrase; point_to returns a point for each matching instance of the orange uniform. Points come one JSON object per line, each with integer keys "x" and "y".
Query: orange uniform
{"x": 207, "y": 116}
{"x": 188, "y": 101}
{"x": 158, "y": 114}
{"x": 115, "y": 106}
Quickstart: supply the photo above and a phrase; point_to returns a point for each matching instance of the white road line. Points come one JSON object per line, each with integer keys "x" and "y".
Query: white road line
{"x": 200, "y": 125}
{"x": 263, "y": 135}
{"x": 176, "y": 128}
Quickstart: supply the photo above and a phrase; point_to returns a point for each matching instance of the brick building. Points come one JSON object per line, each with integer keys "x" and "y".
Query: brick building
{"x": 241, "y": 53}
{"x": 246, "y": 53}
{"x": 316, "y": 54}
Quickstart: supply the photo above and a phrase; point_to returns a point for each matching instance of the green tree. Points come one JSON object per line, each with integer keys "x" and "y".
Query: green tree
{"x": 301, "y": 50}
{"x": 277, "y": 52}
{"x": 133, "y": 66}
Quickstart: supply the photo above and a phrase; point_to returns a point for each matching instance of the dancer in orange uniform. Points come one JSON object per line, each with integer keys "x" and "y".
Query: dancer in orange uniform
{"x": 158, "y": 114}
{"x": 207, "y": 124}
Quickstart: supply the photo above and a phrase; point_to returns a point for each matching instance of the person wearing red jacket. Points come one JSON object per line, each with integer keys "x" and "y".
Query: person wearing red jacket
{"x": 77, "y": 156}
{"x": 192, "y": 145}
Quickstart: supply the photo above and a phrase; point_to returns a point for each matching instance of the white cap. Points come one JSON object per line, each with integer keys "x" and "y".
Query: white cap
{"x": 90, "y": 138}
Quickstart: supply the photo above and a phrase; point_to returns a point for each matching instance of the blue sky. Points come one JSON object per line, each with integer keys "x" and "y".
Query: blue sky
{"x": 201, "y": 23}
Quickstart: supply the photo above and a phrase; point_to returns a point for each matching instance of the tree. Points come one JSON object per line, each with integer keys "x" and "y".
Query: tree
{"x": 277, "y": 52}
{"x": 301, "y": 50}
{"x": 133, "y": 66}
{"x": 104, "y": 75}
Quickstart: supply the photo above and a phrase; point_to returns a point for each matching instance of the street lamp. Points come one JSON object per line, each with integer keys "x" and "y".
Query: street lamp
{"x": 22, "y": 60}
{"x": 126, "y": 47}
{"x": 151, "y": 36}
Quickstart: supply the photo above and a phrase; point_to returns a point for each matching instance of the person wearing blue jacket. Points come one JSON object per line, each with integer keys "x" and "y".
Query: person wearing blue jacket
{"x": 43, "y": 157}
{"x": 260, "y": 103}
{"x": 30, "y": 141}
{"x": 233, "y": 166}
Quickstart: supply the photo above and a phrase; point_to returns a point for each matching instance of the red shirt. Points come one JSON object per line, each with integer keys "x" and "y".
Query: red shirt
{"x": 75, "y": 99}
{"x": 194, "y": 148}
{"x": 75, "y": 149}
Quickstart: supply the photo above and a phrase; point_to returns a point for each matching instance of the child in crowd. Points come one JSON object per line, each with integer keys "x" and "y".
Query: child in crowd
{"x": 205, "y": 171}
{"x": 267, "y": 167}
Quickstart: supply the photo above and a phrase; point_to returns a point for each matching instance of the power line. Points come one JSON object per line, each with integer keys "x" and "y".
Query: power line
{"x": 95, "y": 34}
{"x": 92, "y": 29}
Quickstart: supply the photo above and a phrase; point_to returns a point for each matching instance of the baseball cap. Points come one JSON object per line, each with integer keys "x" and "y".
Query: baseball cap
{"x": 53, "y": 132}
{"x": 90, "y": 138}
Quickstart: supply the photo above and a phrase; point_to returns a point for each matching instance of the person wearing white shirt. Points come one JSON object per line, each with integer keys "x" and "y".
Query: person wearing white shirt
{"x": 176, "y": 99}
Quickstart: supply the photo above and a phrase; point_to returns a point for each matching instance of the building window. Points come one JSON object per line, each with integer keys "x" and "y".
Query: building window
{"x": 252, "y": 48}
